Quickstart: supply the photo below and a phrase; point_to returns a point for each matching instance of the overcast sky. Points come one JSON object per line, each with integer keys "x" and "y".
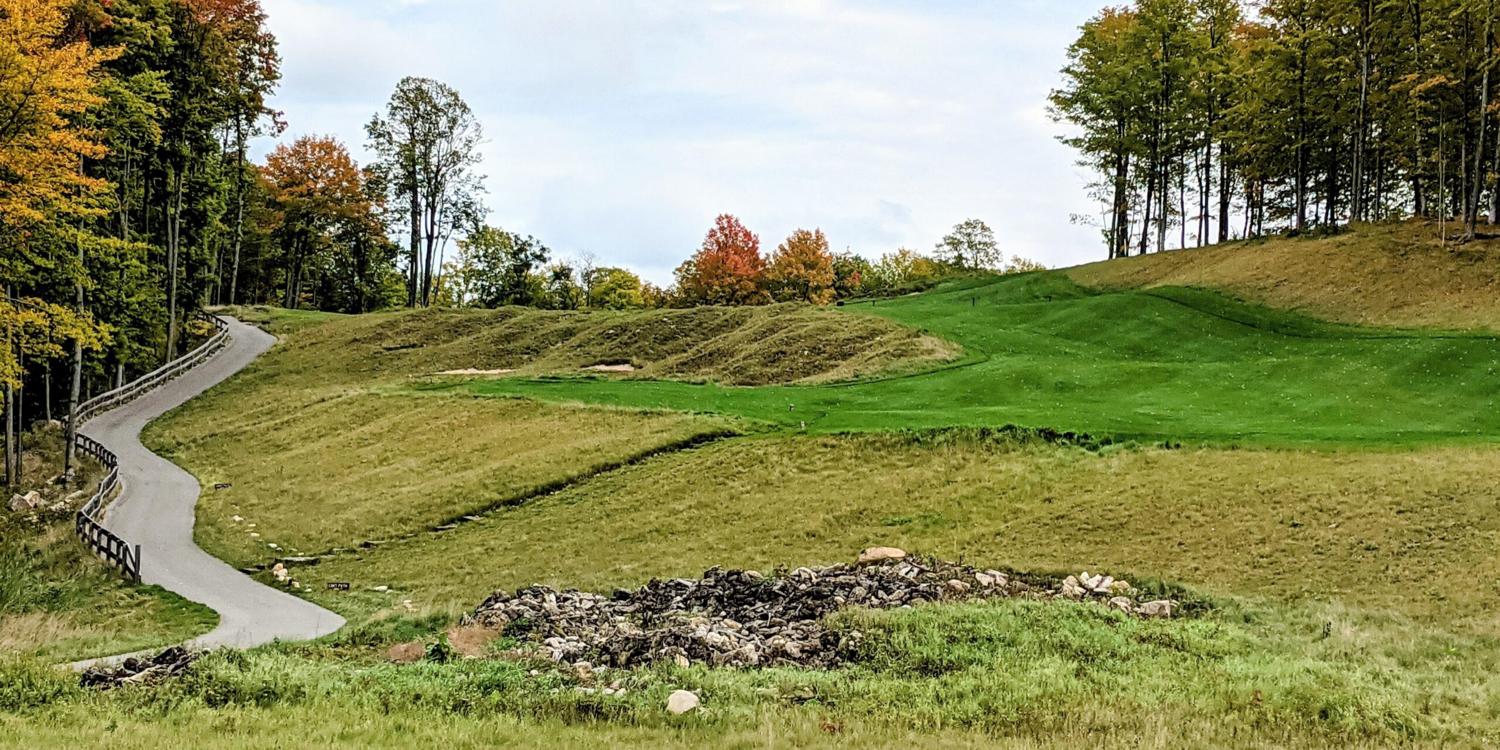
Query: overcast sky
{"x": 623, "y": 127}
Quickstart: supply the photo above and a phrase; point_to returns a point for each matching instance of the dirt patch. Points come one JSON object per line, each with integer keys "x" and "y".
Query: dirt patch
{"x": 406, "y": 653}
{"x": 472, "y": 641}
{"x": 611, "y": 368}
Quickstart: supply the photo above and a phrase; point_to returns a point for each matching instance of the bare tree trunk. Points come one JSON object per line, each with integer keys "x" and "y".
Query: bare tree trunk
{"x": 239, "y": 213}
{"x": 1484, "y": 119}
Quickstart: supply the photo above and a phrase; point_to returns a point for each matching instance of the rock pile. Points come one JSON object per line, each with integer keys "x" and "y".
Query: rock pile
{"x": 170, "y": 663}
{"x": 745, "y": 619}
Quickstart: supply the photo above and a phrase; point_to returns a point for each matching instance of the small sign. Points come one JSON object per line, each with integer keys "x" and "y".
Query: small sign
{"x": 338, "y": 586}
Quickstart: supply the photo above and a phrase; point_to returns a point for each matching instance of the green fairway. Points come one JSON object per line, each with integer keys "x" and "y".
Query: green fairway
{"x": 1166, "y": 364}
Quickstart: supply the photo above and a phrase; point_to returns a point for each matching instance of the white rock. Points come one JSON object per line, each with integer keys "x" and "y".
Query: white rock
{"x": 1159, "y": 609}
{"x": 1072, "y": 590}
{"x": 682, "y": 701}
{"x": 881, "y": 554}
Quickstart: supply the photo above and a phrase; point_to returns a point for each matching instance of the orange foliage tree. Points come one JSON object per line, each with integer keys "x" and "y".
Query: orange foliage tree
{"x": 801, "y": 270}
{"x": 317, "y": 190}
{"x": 727, "y": 270}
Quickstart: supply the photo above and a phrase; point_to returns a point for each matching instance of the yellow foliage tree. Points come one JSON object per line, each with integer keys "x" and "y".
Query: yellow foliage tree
{"x": 802, "y": 269}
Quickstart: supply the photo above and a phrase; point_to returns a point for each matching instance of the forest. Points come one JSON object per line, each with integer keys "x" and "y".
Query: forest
{"x": 1210, "y": 120}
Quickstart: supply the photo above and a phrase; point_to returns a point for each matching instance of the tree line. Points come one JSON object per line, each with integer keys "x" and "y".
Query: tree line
{"x": 1211, "y": 120}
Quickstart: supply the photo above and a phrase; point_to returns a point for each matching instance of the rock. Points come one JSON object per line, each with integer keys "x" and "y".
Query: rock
{"x": 29, "y": 501}
{"x": 875, "y": 555}
{"x": 168, "y": 664}
{"x": 381, "y": 589}
{"x": 742, "y": 619}
{"x": 682, "y": 701}
{"x": 1123, "y": 604}
{"x": 279, "y": 572}
{"x": 1072, "y": 589}
{"x": 1157, "y": 610}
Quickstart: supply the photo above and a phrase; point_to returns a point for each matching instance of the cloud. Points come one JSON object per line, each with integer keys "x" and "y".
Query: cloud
{"x": 623, "y": 127}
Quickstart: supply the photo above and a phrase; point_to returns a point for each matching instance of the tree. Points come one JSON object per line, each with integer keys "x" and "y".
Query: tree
{"x": 501, "y": 267}
{"x": 970, "y": 245}
{"x": 427, "y": 142}
{"x": 320, "y": 193}
{"x": 727, "y": 270}
{"x": 801, "y": 269}
{"x": 850, "y": 273}
{"x": 615, "y": 289}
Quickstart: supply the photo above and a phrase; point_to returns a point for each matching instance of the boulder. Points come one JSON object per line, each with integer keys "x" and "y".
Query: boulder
{"x": 682, "y": 701}
{"x": 876, "y": 555}
{"x": 1157, "y": 610}
{"x": 29, "y": 501}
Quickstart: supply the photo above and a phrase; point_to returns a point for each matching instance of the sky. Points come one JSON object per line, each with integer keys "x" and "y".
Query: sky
{"x": 621, "y": 128}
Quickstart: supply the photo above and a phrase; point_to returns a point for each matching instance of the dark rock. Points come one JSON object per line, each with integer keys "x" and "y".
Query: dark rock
{"x": 136, "y": 671}
{"x": 742, "y": 618}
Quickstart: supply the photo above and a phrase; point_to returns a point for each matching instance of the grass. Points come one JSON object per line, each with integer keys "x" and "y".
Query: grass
{"x": 373, "y": 467}
{"x": 59, "y": 603}
{"x": 1385, "y": 275}
{"x": 1008, "y": 674}
{"x": 1166, "y": 364}
{"x": 1405, "y": 531}
{"x": 1335, "y": 501}
{"x": 741, "y": 346}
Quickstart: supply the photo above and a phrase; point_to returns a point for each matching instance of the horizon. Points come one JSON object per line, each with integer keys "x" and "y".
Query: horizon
{"x": 611, "y": 128}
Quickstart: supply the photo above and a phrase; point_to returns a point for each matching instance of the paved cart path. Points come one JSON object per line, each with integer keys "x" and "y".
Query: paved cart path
{"x": 156, "y": 511}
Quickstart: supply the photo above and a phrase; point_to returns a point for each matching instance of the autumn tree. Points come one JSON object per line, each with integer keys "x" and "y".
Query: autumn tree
{"x": 47, "y": 83}
{"x": 801, "y": 269}
{"x": 727, "y": 270}
{"x": 319, "y": 194}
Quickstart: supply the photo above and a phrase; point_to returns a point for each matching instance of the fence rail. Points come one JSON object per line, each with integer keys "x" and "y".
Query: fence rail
{"x": 89, "y": 523}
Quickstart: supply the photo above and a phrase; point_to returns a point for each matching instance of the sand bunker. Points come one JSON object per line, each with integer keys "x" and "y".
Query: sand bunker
{"x": 611, "y": 368}
{"x": 476, "y": 372}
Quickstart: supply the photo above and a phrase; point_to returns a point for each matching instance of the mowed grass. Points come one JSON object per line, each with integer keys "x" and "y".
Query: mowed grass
{"x": 1387, "y": 275}
{"x": 1167, "y": 364}
{"x": 1411, "y": 532}
{"x": 1014, "y": 674}
{"x": 57, "y": 602}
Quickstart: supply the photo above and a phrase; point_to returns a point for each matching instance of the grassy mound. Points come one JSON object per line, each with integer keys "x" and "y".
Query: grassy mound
{"x": 1163, "y": 364}
{"x": 734, "y": 346}
{"x": 1376, "y": 275}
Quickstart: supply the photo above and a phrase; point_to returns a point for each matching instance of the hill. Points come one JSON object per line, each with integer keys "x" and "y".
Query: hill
{"x": 1385, "y": 275}
{"x": 1173, "y": 364}
{"x": 733, "y": 346}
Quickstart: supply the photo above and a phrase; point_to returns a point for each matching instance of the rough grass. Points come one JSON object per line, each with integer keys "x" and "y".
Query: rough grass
{"x": 1182, "y": 365}
{"x": 1008, "y": 674}
{"x": 57, "y": 601}
{"x": 372, "y": 467}
{"x": 736, "y": 346}
{"x": 1407, "y": 531}
{"x": 1397, "y": 275}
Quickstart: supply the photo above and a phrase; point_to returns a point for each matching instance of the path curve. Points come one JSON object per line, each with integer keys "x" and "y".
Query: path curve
{"x": 156, "y": 506}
